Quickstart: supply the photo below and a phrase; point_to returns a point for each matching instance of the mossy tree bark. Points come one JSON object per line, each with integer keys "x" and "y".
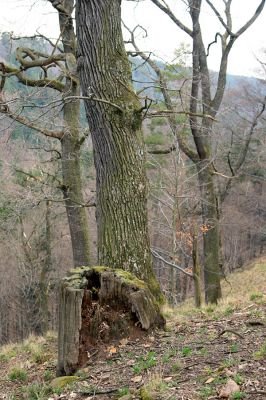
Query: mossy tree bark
{"x": 212, "y": 269}
{"x": 114, "y": 116}
{"x": 70, "y": 142}
{"x": 46, "y": 268}
{"x": 196, "y": 267}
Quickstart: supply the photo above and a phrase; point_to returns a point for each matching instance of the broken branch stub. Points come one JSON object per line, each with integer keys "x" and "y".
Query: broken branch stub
{"x": 101, "y": 305}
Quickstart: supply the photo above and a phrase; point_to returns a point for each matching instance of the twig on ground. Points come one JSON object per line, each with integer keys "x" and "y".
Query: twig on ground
{"x": 229, "y": 331}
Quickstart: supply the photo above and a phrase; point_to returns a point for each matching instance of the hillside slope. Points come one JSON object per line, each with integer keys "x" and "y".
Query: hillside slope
{"x": 198, "y": 357}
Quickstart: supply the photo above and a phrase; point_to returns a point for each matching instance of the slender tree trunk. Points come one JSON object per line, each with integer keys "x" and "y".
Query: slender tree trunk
{"x": 211, "y": 236}
{"x": 115, "y": 123}
{"x": 45, "y": 270}
{"x": 72, "y": 185}
{"x": 196, "y": 267}
{"x": 71, "y": 168}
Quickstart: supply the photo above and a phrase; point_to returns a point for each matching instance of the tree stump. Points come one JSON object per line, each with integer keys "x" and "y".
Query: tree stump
{"x": 101, "y": 305}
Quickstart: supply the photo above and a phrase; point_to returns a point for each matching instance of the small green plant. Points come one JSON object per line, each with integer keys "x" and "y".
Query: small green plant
{"x": 37, "y": 391}
{"x": 8, "y": 353}
{"x": 238, "y": 379}
{"x": 230, "y": 362}
{"x": 228, "y": 311}
{"x": 17, "y": 374}
{"x": 176, "y": 366}
{"x": 166, "y": 357}
{"x": 261, "y": 353}
{"x": 234, "y": 348}
{"x": 12, "y": 396}
{"x": 206, "y": 392}
{"x": 208, "y": 370}
{"x": 137, "y": 369}
{"x": 122, "y": 392}
{"x": 58, "y": 390}
{"x": 144, "y": 363}
{"x": 186, "y": 351}
{"x": 48, "y": 375}
{"x": 256, "y": 314}
{"x": 256, "y": 296}
{"x": 238, "y": 395}
{"x": 39, "y": 356}
{"x": 154, "y": 388}
{"x": 202, "y": 330}
{"x": 150, "y": 360}
{"x": 220, "y": 380}
{"x": 204, "y": 352}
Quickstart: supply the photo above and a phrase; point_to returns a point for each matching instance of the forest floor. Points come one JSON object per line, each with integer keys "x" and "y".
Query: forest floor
{"x": 212, "y": 353}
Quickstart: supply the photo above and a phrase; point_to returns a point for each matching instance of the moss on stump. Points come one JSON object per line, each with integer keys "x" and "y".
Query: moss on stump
{"x": 101, "y": 305}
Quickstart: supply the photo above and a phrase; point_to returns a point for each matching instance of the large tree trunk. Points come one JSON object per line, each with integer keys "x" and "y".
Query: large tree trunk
{"x": 71, "y": 168}
{"x": 115, "y": 123}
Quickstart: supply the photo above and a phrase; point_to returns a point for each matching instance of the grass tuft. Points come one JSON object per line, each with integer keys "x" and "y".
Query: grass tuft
{"x": 17, "y": 374}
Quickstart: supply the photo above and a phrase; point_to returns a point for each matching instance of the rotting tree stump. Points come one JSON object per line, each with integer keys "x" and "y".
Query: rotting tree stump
{"x": 100, "y": 305}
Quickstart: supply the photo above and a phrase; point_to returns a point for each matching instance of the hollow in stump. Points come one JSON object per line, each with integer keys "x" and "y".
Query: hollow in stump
{"x": 100, "y": 305}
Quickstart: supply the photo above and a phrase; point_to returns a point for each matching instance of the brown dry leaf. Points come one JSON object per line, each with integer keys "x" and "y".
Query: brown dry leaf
{"x": 228, "y": 372}
{"x": 230, "y": 388}
{"x": 123, "y": 342}
{"x": 168, "y": 379}
{"x": 136, "y": 379}
{"x": 112, "y": 350}
{"x": 209, "y": 380}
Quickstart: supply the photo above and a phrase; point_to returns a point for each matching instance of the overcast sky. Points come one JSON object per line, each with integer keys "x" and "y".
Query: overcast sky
{"x": 24, "y": 17}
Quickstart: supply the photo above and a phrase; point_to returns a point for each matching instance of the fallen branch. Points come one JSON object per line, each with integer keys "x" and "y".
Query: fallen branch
{"x": 230, "y": 331}
{"x": 94, "y": 391}
{"x": 255, "y": 323}
{"x": 257, "y": 392}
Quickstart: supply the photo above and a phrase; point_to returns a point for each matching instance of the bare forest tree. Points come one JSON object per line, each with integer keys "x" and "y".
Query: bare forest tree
{"x": 64, "y": 80}
{"x": 203, "y": 109}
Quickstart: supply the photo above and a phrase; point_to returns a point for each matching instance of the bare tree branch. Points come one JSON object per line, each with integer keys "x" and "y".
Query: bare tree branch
{"x": 157, "y": 255}
{"x": 9, "y": 70}
{"x": 162, "y": 151}
{"x": 38, "y": 59}
{"x": 167, "y": 99}
{"x": 243, "y": 154}
{"x": 167, "y": 11}
{"x": 252, "y": 19}
{"x": 226, "y": 48}
{"x": 24, "y": 121}
{"x": 220, "y": 18}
